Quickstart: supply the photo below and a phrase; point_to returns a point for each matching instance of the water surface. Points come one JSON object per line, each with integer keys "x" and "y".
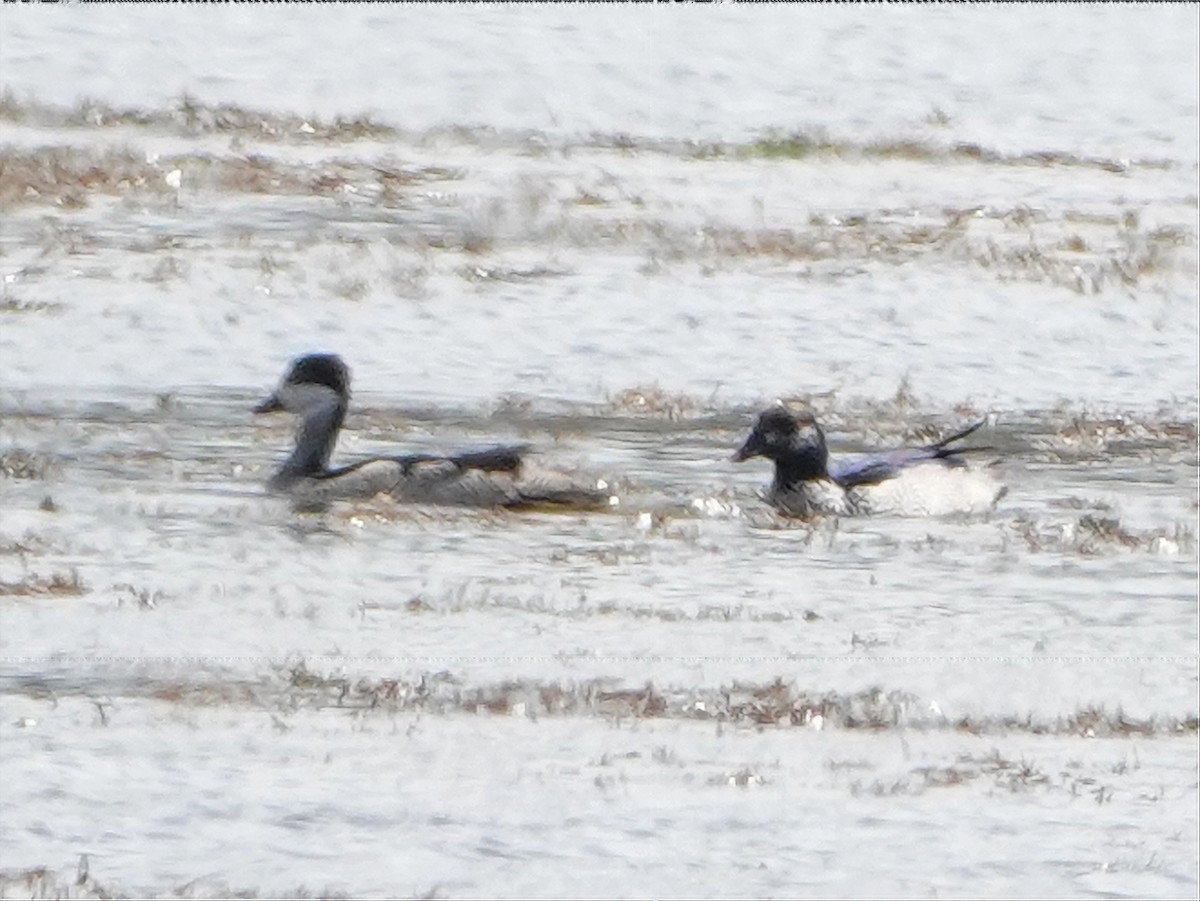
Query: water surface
{"x": 616, "y": 236}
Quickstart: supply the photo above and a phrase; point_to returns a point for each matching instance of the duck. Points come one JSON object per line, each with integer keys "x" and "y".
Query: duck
{"x": 316, "y": 388}
{"x": 932, "y": 479}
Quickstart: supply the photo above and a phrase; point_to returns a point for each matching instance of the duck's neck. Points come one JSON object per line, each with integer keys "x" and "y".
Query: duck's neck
{"x": 802, "y": 463}
{"x": 315, "y": 439}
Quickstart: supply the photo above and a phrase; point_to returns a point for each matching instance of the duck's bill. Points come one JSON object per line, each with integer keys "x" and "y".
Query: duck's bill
{"x": 269, "y": 405}
{"x": 746, "y": 451}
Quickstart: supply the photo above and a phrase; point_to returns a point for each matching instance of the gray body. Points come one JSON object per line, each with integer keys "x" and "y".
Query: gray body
{"x": 317, "y": 389}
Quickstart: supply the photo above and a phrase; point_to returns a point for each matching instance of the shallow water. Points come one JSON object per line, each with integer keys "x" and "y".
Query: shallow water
{"x": 686, "y": 695}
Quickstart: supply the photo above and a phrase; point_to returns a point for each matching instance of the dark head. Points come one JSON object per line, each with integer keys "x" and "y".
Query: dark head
{"x": 307, "y": 372}
{"x": 792, "y": 440}
{"x": 317, "y": 389}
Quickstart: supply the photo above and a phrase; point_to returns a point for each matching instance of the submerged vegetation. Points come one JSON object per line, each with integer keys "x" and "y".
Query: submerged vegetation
{"x": 57, "y": 584}
{"x": 45, "y": 882}
{"x": 1091, "y": 536}
{"x": 776, "y": 703}
{"x": 72, "y": 177}
{"x": 23, "y": 464}
{"x": 191, "y": 117}
{"x": 16, "y": 305}
{"x": 1000, "y": 772}
{"x": 779, "y": 703}
{"x": 1076, "y": 249}
{"x": 803, "y": 145}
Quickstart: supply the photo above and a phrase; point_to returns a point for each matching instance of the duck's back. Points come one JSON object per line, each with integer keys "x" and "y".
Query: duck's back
{"x": 354, "y": 483}
{"x": 537, "y": 486}
{"x": 444, "y": 482}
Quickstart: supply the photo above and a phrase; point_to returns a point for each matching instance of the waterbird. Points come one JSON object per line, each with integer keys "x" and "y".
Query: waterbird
{"x": 316, "y": 387}
{"x": 929, "y": 480}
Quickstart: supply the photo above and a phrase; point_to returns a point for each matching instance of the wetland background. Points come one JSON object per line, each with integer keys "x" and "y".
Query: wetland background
{"x": 616, "y": 233}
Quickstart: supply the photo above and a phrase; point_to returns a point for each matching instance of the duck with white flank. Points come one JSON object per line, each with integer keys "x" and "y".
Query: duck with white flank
{"x": 317, "y": 389}
{"x": 929, "y": 480}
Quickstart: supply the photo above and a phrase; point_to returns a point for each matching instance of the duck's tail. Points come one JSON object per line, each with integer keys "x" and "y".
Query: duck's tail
{"x": 502, "y": 458}
{"x": 941, "y": 450}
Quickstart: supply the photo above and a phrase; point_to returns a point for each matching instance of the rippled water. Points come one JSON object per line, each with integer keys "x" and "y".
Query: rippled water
{"x": 617, "y": 236}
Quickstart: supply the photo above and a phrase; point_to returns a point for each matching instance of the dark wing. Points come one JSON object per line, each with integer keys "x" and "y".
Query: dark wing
{"x": 502, "y": 458}
{"x": 850, "y": 472}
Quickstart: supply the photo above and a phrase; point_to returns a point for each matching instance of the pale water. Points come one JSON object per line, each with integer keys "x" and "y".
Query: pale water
{"x": 616, "y": 233}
